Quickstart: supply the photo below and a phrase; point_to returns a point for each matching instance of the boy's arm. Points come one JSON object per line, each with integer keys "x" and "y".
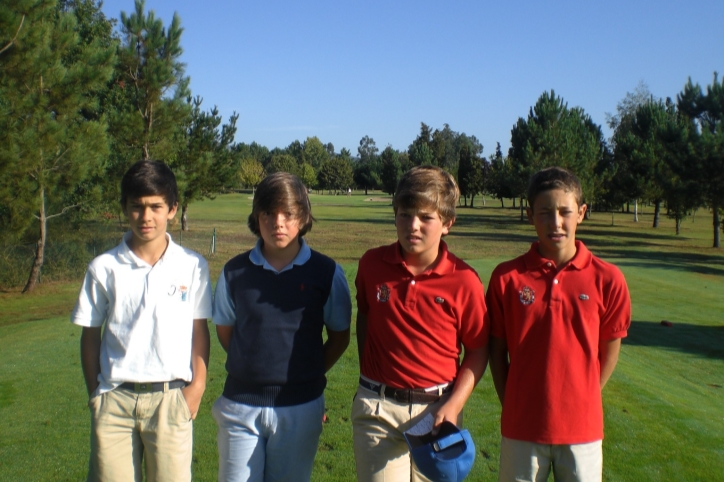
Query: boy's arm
{"x": 471, "y": 370}
{"x": 499, "y": 365}
{"x": 608, "y": 351}
{"x": 199, "y": 364}
{"x": 90, "y": 356}
{"x": 361, "y": 335}
{"x": 334, "y": 347}
{"x": 224, "y": 332}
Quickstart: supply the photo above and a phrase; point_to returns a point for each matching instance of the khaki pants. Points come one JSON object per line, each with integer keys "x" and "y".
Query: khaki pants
{"x": 127, "y": 427}
{"x": 528, "y": 461}
{"x": 380, "y": 449}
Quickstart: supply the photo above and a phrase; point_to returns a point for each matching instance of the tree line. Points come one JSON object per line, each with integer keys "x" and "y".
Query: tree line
{"x": 83, "y": 96}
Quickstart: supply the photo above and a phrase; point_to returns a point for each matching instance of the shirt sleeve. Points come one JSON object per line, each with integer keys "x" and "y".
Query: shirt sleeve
{"x": 224, "y": 309}
{"x": 91, "y": 309}
{"x": 494, "y": 302}
{"x": 359, "y": 282}
{"x": 475, "y": 326}
{"x": 203, "y": 308}
{"x": 338, "y": 308}
{"x": 617, "y": 317}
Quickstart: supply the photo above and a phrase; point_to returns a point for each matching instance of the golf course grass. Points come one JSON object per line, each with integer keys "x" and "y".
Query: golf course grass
{"x": 664, "y": 405}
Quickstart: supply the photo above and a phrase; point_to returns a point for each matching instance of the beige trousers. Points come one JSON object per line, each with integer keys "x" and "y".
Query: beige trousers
{"x": 128, "y": 427}
{"x": 528, "y": 461}
{"x": 380, "y": 450}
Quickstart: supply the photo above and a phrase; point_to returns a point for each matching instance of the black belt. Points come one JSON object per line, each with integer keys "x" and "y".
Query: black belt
{"x": 407, "y": 395}
{"x": 149, "y": 387}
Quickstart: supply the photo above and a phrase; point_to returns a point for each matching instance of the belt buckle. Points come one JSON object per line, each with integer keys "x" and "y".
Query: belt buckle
{"x": 143, "y": 387}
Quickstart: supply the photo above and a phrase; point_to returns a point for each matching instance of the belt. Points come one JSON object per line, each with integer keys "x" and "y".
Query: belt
{"x": 149, "y": 387}
{"x": 408, "y": 395}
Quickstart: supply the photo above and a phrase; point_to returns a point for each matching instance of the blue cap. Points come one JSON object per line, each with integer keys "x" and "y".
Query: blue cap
{"x": 445, "y": 457}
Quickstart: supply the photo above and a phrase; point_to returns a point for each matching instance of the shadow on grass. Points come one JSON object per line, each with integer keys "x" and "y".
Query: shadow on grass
{"x": 692, "y": 262}
{"x": 707, "y": 341}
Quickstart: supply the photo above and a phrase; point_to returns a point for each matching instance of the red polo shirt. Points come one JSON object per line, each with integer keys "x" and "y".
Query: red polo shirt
{"x": 416, "y": 325}
{"x": 552, "y": 322}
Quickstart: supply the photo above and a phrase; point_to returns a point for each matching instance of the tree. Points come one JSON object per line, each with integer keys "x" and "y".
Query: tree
{"x": 283, "y": 163}
{"x": 554, "y": 135}
{"x": 314, "y": 153}
{"x": 367, "y": 169}
{"x": 149, "y": 62}
{"x": 335, "y": 174}
{"x": 204, "y": 165}
{"x": 308, "y": 175}
{"x": 251, "y": 173}
{"x": 502, "y": 179}
{"x": 49, "y": 79}
{"x": 627, "y": 184}
{"x": 705, "y": 166}
{"x": 367, "y": 150}
{"x": 391, "y": 171}
{"x": 420, "y": 150}
{"x": 471, "y": 173}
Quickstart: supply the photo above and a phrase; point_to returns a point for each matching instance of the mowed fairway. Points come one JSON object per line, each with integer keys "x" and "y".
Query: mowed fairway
{"x": 664, "y": 405}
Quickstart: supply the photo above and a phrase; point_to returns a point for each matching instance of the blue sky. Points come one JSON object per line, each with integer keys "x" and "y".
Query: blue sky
{"x": 340, "y": 70}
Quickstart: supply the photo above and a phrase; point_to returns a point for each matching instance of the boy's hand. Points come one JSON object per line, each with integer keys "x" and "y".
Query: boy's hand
{"x": 447, "y": 412}
{"x": 192, "y": 394}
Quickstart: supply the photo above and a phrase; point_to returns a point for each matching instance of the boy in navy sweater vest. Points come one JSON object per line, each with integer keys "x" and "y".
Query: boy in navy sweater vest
{"x": 271, "y": 305}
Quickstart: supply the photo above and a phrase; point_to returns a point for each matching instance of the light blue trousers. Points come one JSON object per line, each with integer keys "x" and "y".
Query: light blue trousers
{"x": 267, "y": 444}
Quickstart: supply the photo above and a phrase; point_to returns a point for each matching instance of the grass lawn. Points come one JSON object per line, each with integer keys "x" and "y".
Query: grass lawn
{"x": 663, "y": 405}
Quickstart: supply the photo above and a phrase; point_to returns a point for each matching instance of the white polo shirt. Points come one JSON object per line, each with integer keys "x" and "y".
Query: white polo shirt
{"x": 148, "y": 312}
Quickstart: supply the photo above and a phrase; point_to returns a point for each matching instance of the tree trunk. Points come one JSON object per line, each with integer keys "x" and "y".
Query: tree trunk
{"x": 717, "y": 225}
{"x": 513, "y": 202}
{"x": 657, "y": 212}
{"x": 40, "y": 248}
{"x": 522, "y": 211}
{"x": 365, "y": 190}
{"x": 184, "y": 217}
{"x": 472, "y": 197}
{"x": 502, "y": 202}
{"x": 628, "y": 207}
{"x": 678, "y": 224}
{"x": 636, "y": 210}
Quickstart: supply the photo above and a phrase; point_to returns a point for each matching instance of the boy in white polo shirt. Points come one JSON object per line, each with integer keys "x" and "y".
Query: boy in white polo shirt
{"x": 146, "y": 371}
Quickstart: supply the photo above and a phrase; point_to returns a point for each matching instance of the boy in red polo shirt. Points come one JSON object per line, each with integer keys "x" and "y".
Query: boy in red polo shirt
{"x": 558, "y": 314}
{"x": 418, "y": 305}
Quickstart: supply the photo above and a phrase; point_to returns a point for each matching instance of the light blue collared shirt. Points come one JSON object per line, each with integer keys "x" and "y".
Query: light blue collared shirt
{"x": 337, "y": 309}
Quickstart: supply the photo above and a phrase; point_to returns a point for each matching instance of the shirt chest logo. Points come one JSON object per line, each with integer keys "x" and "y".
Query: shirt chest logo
{"x": 383, "y": 293}
{"x": 180, "y": 291}
{"x": 527, "y": 295}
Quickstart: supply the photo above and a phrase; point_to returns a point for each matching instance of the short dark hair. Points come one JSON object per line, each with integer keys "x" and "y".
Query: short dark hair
{"x": 149, "y": 178}
{"x": 285, "y": 192}
{"x": 428, "y": 187}
{"x": 554, "y": 178}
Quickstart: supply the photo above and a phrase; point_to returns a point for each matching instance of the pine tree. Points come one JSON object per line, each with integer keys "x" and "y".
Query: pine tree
{"x": 50, "y": 79}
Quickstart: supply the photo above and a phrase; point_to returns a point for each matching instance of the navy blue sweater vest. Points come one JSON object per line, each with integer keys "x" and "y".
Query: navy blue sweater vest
{"x": 276, "y": 355}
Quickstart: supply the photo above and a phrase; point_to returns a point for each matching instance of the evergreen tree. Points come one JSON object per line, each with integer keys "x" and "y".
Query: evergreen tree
{"x": 49, "y": 147}
{"x": 705, "y": 166}
{"x": 204, "y": 165}
{"x": 391, "y": 170}
{"x": 554, "y": 135}
{"x": 151, "y": 109}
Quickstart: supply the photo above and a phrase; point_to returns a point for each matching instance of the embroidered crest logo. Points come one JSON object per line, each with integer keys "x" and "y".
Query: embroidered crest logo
{"x": 439, "y": 300}
{"x": 383, "y": 293}
{"x": 184, "y": 291}
{"x": 583, "y": 297}
{"x": 527, "y": 295}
